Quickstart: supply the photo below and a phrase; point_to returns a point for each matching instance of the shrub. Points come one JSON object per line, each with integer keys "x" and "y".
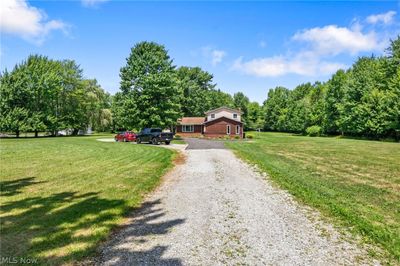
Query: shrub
{"x": 249, "y": 136}
{"x": 237, "y": 137}
{"x": 177, "y": 137}
{"x": 313, "y": 131}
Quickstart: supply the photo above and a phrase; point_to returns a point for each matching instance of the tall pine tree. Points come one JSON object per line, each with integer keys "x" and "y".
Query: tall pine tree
{"x": 149, "y": 87}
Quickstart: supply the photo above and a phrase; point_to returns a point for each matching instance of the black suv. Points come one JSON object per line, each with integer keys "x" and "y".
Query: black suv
{"x": 154, "y": 136}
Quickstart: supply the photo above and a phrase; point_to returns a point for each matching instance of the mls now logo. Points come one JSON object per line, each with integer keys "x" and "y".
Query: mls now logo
{"x": 18, "y": 260}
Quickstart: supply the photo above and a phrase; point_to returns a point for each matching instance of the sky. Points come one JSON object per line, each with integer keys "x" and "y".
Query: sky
{"x": 250, "y": 46}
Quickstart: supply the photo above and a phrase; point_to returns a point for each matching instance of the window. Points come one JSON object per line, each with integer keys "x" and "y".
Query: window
{"x": 187, "y": 128}
{"x": 237, "y": 130}
{"x": 228, "y": 129}
{"x": 212, "y": 115}
{"x": 234, "y": 115}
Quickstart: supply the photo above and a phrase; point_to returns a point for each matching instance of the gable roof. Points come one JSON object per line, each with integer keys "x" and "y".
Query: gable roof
{"x": 191, "y": 120}
{"x": 222, "y": 118}
{"x": 224, "y": 108}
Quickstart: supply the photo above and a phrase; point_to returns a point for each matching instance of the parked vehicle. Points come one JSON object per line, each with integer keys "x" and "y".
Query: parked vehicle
{"x": 154, "y": 136}
{"x": 125, "y": 136}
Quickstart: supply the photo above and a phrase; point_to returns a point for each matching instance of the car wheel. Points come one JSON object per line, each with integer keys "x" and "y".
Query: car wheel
{"x": 125, "y": 140}
{"x": 167, "y": 142}
{"x": 139, "y": 141}
{"x": 154, "y": 141}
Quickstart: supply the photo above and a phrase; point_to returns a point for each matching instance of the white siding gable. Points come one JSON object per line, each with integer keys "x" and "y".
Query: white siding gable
{"x": 224, "y": 113}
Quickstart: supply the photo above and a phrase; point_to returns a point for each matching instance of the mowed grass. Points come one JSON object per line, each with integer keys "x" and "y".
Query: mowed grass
{"x": 61, "y": 196}
{"x": 178, "y": 141}
{"x": 355, "y": 181}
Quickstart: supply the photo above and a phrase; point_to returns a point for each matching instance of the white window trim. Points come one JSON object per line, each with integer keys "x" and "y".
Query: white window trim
{"x": 237, "y": 129}
{"x": 188, "y": 131}
{"x": 228, "y": 129}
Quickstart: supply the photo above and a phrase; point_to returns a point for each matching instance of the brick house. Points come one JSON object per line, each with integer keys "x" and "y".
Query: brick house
{"x": 220, "y": 122}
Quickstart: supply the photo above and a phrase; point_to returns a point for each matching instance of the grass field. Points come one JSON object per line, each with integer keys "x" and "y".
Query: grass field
{"x": 178, "y": 141}
{"x": 61, "y": 196}
{"x": 356, "y": 182}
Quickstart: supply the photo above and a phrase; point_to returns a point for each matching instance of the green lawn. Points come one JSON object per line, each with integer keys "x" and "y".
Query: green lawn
{"x": 356, "y": 182}
{"x": 178, "y": 141}
{"x": 61, "y": 196}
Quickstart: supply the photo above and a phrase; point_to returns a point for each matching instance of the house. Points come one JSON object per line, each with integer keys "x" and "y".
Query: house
{"x": 220, "y": 122}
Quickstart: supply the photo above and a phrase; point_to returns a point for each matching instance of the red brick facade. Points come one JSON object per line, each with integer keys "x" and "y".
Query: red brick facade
{"x": 213, "y": 129}
{"x": 220, "y": 127}
{"x": 220, "y": 122}
{"x": 197, "y": 131}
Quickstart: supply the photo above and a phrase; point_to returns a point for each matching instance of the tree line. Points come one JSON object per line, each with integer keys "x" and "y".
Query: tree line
{"x": 44, "y": 95}
{"x": 363, "y": 100}
{"x": 41, "y": 94}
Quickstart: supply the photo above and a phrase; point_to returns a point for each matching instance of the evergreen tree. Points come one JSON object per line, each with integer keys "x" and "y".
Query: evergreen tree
{"x": 149, "y": 86}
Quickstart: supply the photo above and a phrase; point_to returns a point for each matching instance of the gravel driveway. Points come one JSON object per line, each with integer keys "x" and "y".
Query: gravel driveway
{"x": 196, "y": 144}
{"x": 216, "y": 210}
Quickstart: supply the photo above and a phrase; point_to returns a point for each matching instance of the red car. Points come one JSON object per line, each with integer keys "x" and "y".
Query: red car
{"x": 125, "y": 136}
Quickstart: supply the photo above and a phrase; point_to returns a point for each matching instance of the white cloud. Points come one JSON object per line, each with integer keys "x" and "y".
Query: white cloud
{"x": 333, "y": 40}
{"x": 304, "y": 64}
{"x": 385, "y": 18}
{"x": 28, "y": 22}
{"x": 314, "y": 51}
{"x": 262, "y": 44}
{"x": 216, "y": 56}
{"x": 92, "y": 3}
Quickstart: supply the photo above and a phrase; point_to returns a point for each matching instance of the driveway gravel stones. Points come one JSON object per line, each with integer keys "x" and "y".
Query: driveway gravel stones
{"x": 196, "y": 144}
{"x": 216, "y": 210}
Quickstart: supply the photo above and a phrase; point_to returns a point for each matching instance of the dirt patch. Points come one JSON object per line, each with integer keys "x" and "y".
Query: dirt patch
{"x": 179, "y": 159}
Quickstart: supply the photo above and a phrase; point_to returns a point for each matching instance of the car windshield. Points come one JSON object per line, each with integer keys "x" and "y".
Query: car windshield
{"x": 155, "y": 130}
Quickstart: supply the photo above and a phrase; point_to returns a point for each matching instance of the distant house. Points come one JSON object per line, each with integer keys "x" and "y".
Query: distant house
{"x": 223, "y": 121}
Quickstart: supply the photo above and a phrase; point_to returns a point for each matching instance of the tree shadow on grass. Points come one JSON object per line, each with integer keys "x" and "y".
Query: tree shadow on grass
{"x": 13, "y": 187}
{"x": 57, "y": 228}
{"x": 68, "y": 226}
{"x": 128, "y": 246}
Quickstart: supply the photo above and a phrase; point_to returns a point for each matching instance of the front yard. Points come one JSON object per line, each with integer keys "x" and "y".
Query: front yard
{"x": 61, "y": 196}
{"x": 356, "y": 182}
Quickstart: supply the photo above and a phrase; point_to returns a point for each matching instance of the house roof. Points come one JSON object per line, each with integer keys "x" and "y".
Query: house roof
{"x": 191, "y": 120}
{"x": 224, "y": 108}
{"x": 222, "y": 118}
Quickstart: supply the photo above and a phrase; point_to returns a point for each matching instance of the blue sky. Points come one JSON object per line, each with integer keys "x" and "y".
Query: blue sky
{"x": 247, "y": 46}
